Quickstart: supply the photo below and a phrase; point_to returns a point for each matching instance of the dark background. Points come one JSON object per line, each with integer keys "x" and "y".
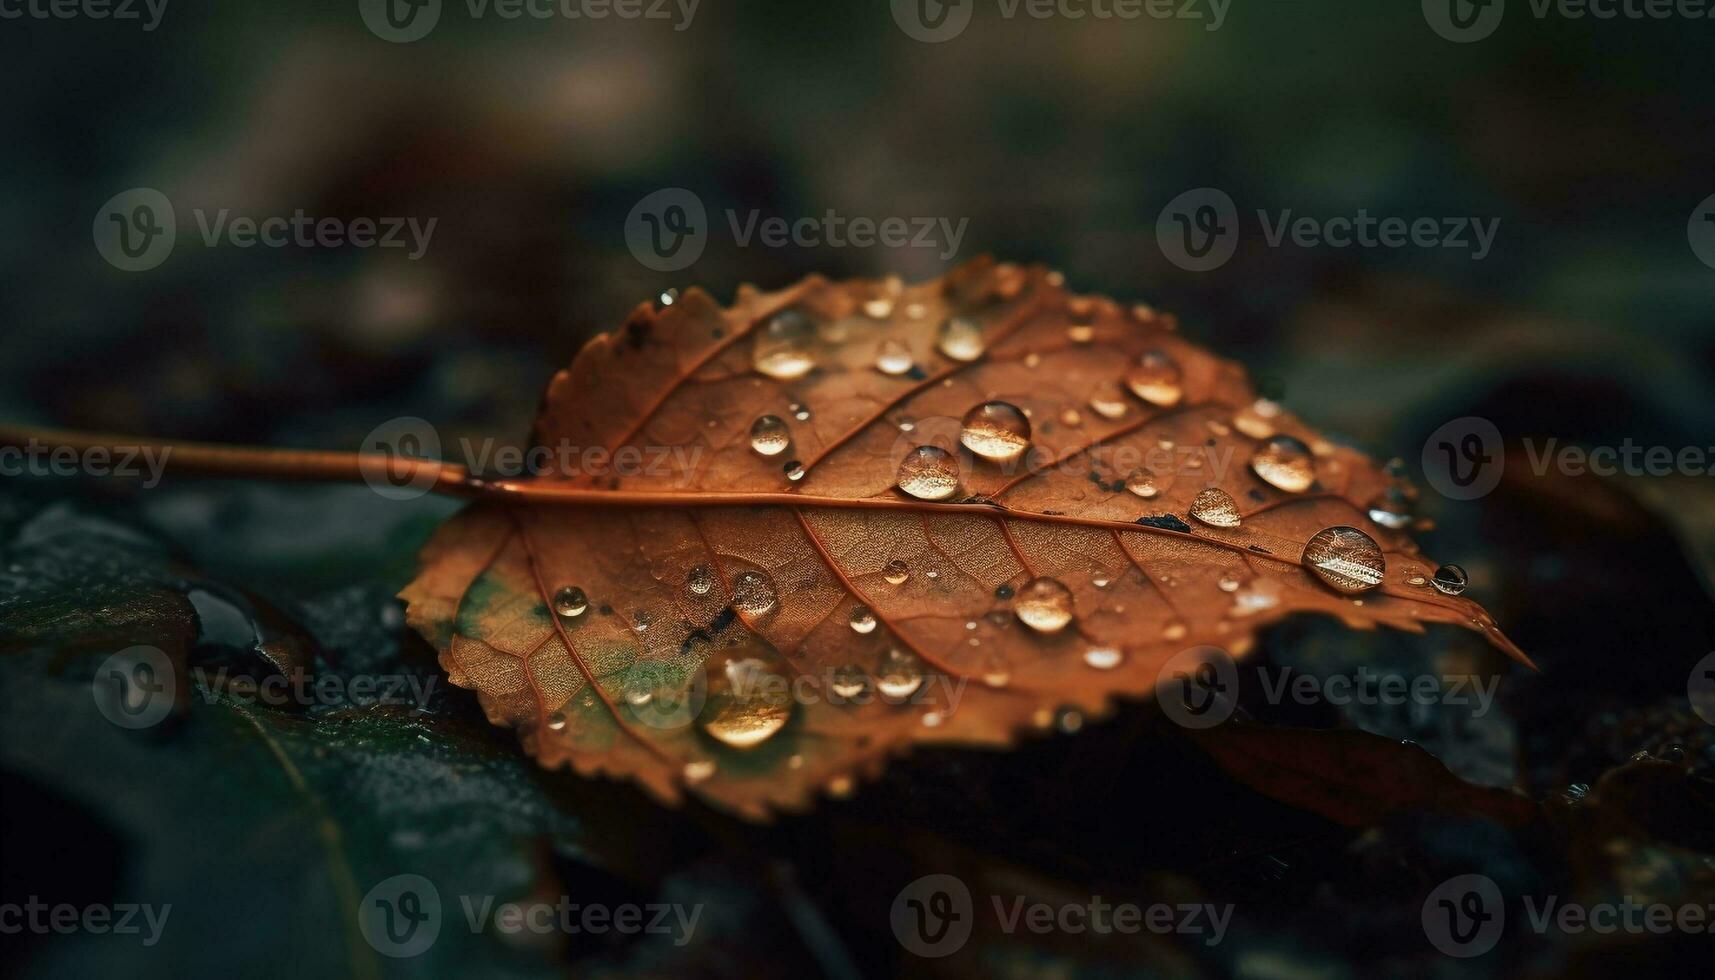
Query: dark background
{"x": 1060, "y": 141}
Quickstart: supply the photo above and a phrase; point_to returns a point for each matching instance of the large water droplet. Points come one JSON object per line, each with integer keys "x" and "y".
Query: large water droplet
{"x": 961, "y": 339}
{"x": 1347, "y": 559}
{"x": 557, "y": 721}
{"x": 929, "y": 473}
{"x": 1450, "y": 580}
{"x": 896, "y": 572}
{"x": 700, "y": 580}
{"x": 783, "y": 346}
{"x": 996, "y": 430}
{"x": 749, "y": 698}
{"x": 893, "y": 358}
{"x": 1108, "y": 401}
{"x": 753, "y": 593}
{"x": 1284, "y": 463}
{"x": 900, "y": 675}
{"x": 1156, "y": 380}
{"x": 1103, "y": 658}
{"x": 848, "y": 681}
{"x": 1142, "y": 483}
{"x": 769, "y": 435}
{"x": 570, "y": 602}
{"x": 1215, "y": 507}
{"x": 863, "y": 620}
{"x": 1044, "y": 605}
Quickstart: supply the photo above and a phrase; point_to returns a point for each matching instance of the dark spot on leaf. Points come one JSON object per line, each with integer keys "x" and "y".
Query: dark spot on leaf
{"x": 1166, "y": 522}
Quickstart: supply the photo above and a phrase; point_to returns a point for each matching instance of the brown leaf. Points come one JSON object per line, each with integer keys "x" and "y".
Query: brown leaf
{"x": 699, "y": 558}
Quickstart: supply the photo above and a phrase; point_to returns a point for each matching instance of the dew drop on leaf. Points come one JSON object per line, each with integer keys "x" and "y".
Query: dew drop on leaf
{"x": 570, "y": 602}
{"x": 1284, "y": 463}
{"x": 1043, "y": 604}
{"x": 1156, "y": 380}
{"x": 893, "y": 358}
{"x": 1103, "y": 658}
{"x": 1215, "y": 507}
{"x": 700, "y": 581}
{"x": 961, "y": 339}
{"x": 696, "y": 772}
{"x": 896, "y": 572}
{"x": 794, "y": 470}
{"x": 862, "y": 620}
{"x": 1142, "y": 483}
{"x": 900, "y": 675}
{"x": 996, "y": 431}
{"x": 1108, "y": 401}
{"x": 753, "y": 593}
{"x": 769, "y": 435}
{"x": 929, "y": 473}
{"x": 748, "y": 697}
{"x": 848, "y": 681}
{"x": 1450, "y": 580}
{"x": 782, "y": 348}
{"x": 1345, "y": 558}
{"x": 557, "y": 721}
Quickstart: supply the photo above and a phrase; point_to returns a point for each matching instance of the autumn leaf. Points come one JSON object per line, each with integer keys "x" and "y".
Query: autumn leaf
{"x": 784, "y": 540}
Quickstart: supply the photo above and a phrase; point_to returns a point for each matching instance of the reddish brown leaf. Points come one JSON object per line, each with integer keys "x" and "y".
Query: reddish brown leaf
{"x": 689, "y": 563}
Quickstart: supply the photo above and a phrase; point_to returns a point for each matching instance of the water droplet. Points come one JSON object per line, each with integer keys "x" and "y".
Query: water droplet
{"x": 840, "y": 787}
{"x": 932, "y": 719}
{"x": 906, "y": 423}
{"x": 1415, "y": 579}
{"x": 961, "y": 339}
{"x": 1391, "y": 509}
{"x": 1450, "y": 580}
{"x": 1100, "y": 578}
{"x": 1253, "y": 424}
{"x": 996, "y": 431}
{"x": 799, "y": 412}
{"x": 1080, "y": 333}
{"x": 700, "y": 580}
{"x": 749, "y": 698}
{"x": 1285, "y": 464}
{"x": 642, "y": 620}
{"x": 848, "y": 681}
{"x": 1156, "y": 380}
{"x": 696, "y": 772}
{"x": 863, "y": 620}
{"x": 1071, "y": 417}
{"x": 557, "y": 721}
{"x": 900, "y": 675}
{"x": 1228, "y": 583}
{"x": 1108, "y": 401}
{"x": 1103, "y": 658}
{"x": 1347, "y": 559}
{"x": 753, "y": 593}
{"x": 769, "y": 435}
{"x": 879, "y": 308}
{"x": 1215, "y": 507}
{"x": 570, "y": 602}
{"x": 896, "y": 572}
{"x": 893, "y": 358}
{"x": 996, "y": 671}
{"x": 1174, "y": 631}
{"x": 1044, "y": 605}
{"x": 1141, "y": 483}
{"x": 667, "y": 298}
{"x": 1033, "y": 360}
{"x": 782, "y": 348}
{"x": 929, "y": 473}
{"x": 794, "y": 470}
